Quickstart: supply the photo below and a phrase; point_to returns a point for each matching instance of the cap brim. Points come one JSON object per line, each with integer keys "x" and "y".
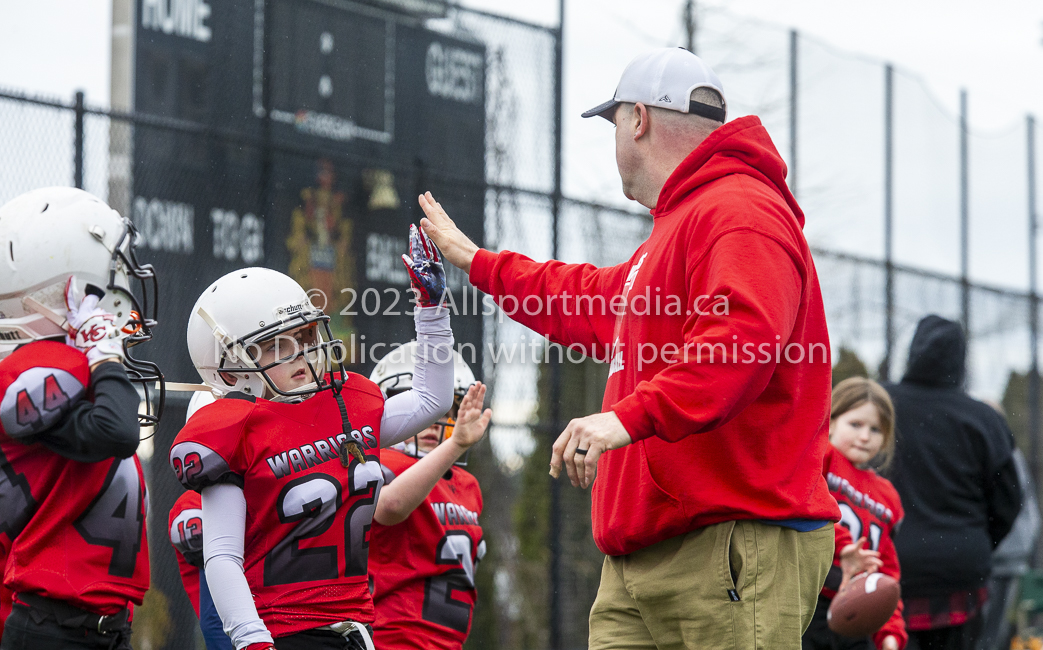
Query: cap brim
{"x": 601, "y": 109}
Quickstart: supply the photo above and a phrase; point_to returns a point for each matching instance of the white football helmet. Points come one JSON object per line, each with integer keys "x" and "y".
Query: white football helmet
{"x": 51, "y": 234}
{"x": 394, "y": 374}
{"x": 250, "y": 306}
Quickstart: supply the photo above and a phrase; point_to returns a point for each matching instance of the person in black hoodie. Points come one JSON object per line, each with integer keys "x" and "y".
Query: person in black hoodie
{"x": 955, "y": 472}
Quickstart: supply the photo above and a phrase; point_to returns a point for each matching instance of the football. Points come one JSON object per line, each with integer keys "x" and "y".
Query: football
{"x": 864, "y": 605}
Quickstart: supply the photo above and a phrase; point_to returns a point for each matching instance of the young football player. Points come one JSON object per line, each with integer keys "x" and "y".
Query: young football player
{"x": 72, "y": 521}
{"x": 861, "y": 429}
{"x": 287, "y": 462}
{"x": 426, "y": 540}
{"x": 186, "y": 536}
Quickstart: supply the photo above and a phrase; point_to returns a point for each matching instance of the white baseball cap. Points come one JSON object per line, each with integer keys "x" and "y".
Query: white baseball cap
{"x": 665, "y": 78}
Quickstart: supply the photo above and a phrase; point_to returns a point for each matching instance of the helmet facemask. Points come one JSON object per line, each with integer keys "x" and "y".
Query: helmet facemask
{"x": 445, "y": 424}
{"x": 43, "y": 310}
{"x": 394, "y": 374}
{"x": 248, "y": 363}
{"x": 143, "y": 318}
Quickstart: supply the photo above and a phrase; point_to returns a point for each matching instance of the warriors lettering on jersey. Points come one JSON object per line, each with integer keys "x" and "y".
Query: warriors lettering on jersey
{"x": 423, "y": 569}
{"x": 307, "y": 539}
{"x": 876, "y": 518}
{"x": 298, "y": 459}
{"x": 843, "y": 486}
{"x": 454, "y": 514}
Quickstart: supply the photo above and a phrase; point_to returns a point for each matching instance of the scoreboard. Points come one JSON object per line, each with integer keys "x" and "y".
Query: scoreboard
{"x": 313, "y": 125}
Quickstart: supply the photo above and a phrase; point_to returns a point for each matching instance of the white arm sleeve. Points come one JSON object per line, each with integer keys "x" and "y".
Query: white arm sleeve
{"x": 224, "y": 528}
{"x": 407, "y": 414}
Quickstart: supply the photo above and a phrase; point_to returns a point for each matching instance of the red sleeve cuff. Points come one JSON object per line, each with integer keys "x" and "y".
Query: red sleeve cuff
{"x": 878, "y": 638}
{"x": 481, "y": 269}
{"x": 263, "y": 645}
{"x": 634, "y": 418}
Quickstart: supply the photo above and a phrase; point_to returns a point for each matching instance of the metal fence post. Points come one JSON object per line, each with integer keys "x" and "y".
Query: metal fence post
{"x": 555, "y": 365}
{"x": 889, "y": 267}
{"x": 690, "y": 25}
{"x": 267, "y": 181}
{"x": 77, "y": 174}
{"x": 1033, "y": 383}
{"x": 965, "y": 288}
{"x": 793, "y": 111}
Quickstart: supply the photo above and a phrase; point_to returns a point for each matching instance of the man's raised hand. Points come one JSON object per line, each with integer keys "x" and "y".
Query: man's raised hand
{"x": 453, "y": 243}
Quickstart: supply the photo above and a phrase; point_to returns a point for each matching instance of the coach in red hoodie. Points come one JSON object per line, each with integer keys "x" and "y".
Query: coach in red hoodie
{"x": 709, "y": 500}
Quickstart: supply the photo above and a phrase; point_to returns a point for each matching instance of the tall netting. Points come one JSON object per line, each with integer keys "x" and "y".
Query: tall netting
{"x": 231, "y": 198}
{"x": 840, "y": 168}
{"x": 927, "y": 179}
{"x": 853, "y": 292}
{"x": 997, "y": 206}
{"x": 39, "y": 140}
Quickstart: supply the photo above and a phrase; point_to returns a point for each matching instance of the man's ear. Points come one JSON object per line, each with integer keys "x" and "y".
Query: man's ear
{"x": 640, "y": 120}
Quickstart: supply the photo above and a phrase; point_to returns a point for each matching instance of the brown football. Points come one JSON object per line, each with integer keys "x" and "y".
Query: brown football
{"x": 864, "y": 605}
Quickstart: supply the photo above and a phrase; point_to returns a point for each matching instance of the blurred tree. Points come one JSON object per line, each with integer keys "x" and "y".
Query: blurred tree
{"x": 532, "y": 524}
{"x": 848, "y": 365}
{"x": 151, "y": 627}
{"x": 491, "y": 621}
{"x": 1015, "y": 406}
{"x": 583, "y": 385}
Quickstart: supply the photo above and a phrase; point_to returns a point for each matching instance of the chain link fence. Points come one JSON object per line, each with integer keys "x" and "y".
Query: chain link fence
{"x": 840, "y": 181}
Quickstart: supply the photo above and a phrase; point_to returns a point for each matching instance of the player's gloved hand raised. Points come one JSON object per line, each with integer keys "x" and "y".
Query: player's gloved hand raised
{"x": 91, "y": 329}
{"x": 424, "y": 264}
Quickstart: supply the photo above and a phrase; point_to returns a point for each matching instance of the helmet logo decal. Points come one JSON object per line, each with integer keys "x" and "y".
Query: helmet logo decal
{"x": 289, "y": 310}
{"x": 96, "y": 332}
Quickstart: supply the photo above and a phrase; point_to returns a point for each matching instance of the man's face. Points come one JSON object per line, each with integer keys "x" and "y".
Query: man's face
{"x": 627, "y": 161}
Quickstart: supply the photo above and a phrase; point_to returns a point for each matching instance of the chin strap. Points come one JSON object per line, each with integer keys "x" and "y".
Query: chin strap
{"x": 295, "y": 399}
{"x": 32, "y": 304}
{"x": 349, "y": 448}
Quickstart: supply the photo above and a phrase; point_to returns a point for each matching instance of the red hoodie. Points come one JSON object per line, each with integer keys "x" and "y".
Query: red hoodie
{"x": 732, "y": 429}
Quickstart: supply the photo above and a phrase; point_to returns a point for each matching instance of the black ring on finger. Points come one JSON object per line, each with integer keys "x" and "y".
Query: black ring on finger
{"x": 582, "y": 452}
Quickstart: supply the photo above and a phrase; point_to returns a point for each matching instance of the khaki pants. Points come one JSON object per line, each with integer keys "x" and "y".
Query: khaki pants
{"x": 740, "y": 585}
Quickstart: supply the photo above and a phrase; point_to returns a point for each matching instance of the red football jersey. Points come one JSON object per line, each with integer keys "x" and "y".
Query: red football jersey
{"x": 423, "y": 568}
{"x": 186, "y": 536}
{"x": 307, "y": 516}
{"x": 6, "y": 600}
{"x": 76, "y": 530}
{"x": 869, "y": 507}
